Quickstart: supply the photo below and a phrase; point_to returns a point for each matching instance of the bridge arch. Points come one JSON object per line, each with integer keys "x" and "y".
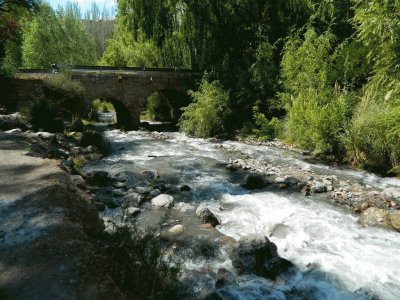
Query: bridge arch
{"x": 123, "y": 115}
{"x": 165, "y": 104}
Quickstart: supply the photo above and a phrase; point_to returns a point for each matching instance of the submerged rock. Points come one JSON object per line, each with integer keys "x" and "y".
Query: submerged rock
{"x": 163, "y": 201}
{"x": 185, "y": 188}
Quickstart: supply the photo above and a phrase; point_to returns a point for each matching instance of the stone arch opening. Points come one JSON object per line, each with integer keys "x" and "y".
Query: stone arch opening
{"x": 166, "y": 105}
{"x": 123, "y": 115}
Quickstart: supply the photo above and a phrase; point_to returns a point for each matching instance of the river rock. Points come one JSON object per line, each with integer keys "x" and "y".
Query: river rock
{"x": 98, "y": 178}
{"x": 143, "y": 190}
{"x": 373, "y": 216}
{"x": 319, "y": 187}
{"x": 45, "y": 135}
{"x": 392, "y": 193}
{"x": 15, "y": 130}
{"x": 119, "y": 185}
{"x": 253, "y": 181}
{"x": 231, "y": 167}
{"x": 155, "y": 193}
{"x": 119, "y": 193}
{"x": 395, "y": 220}
{"x": 251, "y": 254}
{"x": 206, "y": 216}
{"x": 184, "y": 207}
{"x": 132, "y": 198}
{"x": 163, "y": 201}
{"x": 132, "y": 211}
{"x": 177, "y": 229}
{"x": 150, "y": 174}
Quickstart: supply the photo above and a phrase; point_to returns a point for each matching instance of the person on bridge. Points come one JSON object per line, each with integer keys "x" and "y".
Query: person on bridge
{"x": 56, "y": 68}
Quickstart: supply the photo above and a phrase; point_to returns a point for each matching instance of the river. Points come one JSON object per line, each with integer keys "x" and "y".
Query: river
{"x": 336, "y": 258}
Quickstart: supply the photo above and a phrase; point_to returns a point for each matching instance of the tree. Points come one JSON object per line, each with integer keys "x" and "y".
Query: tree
{"x": 56, "y": 37}
{"x": 10, "y": 37}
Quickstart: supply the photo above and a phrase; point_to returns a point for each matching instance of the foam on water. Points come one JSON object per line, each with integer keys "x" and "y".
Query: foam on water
{"x": 332, "y": 252}
{"x": 313, "y": 234}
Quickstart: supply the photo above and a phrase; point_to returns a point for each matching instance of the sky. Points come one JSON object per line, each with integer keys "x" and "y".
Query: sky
{"x": 85, "y": 4}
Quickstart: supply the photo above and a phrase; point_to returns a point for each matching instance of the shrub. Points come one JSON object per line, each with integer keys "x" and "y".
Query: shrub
{"x": 66, "y": 94}
{"x": 315, "y": 106}
{"x": 43, "y": 114}
{"x": 139, "y": 267}
{"x": 208, "y": 114}
{"x": 373, "y": 139}
{"x": 58, "y": 99}
{"x": 267, "y": 129}
{"x": 96, "y": 139}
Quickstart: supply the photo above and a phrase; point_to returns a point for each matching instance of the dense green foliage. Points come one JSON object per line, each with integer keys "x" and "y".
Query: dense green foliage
{"x": 56, "y": 37}
{"x": 209, "y": 112}
{"x": 11, "y": 11}
{"x": 47, "y": 36}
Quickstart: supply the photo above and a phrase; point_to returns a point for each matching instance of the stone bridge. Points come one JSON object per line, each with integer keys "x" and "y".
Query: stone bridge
{"x": 126, "y": 88}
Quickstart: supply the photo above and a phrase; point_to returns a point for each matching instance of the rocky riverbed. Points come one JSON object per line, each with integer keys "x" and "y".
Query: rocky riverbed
{"x": 183, "y": 190}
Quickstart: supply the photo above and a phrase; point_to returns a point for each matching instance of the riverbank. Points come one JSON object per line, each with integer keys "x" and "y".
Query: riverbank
{"x": 377, "y": 205}
{"x": 48, "y": 228}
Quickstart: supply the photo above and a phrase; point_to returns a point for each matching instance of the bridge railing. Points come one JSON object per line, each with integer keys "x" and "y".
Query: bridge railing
{"x": 110, "y": 68}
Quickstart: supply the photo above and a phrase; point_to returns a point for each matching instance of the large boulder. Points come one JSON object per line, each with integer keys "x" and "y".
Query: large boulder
{"x": 257, "y": 254}
{"x": 253, "y": 182}
{"x": 206, "y": 216}
{"x": 373, "y": 216}
{"x": 163, "y": 201}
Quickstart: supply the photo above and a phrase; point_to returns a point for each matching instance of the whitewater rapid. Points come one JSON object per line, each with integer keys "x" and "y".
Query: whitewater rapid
{"x": 335, "y": 256}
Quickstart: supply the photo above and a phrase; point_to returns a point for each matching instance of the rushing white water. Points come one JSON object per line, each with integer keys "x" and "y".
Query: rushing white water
{"x": 335, "y": 256}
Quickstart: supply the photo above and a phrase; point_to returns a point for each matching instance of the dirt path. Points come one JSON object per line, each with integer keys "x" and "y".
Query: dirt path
{"x": 44, "y": 252}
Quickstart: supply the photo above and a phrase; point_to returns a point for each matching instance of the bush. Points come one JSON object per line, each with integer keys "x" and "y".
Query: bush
{"x": 208, "y": 114}
{"x": 58, "y": 99}
{"x": 96, "y": 139}
{"x": 43, "y": 114}
{"x": 139, "y": 267}
{"x": 315, "y": 106}
{"x": 267, "y": 129}
{"x": 373, "y": 139}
